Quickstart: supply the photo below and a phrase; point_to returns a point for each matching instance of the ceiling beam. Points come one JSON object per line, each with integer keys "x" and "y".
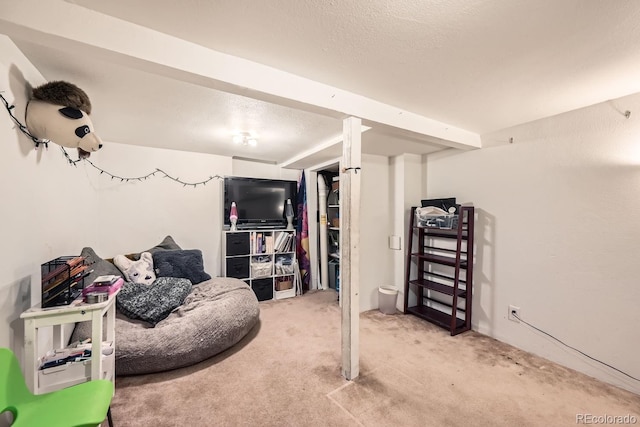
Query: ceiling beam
{"x": 325, "y": 146}
{"x": 100, "y": 36}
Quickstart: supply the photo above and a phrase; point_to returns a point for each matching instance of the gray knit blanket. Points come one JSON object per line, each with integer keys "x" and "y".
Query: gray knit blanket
{"x": 152, "y": 303}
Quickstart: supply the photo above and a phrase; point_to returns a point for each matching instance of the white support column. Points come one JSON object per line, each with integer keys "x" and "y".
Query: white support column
{"x": 350, "y": 246}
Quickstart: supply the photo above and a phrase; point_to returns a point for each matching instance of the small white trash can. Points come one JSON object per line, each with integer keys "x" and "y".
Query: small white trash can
{"x": 387, "y": 297}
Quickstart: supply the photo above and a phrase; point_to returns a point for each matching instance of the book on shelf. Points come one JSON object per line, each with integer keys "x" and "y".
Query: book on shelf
{"x": 285, "y": 242}
{"x": 106, "y": 280}
{"x": 269, "y": 243}
{"x": 290, "y": 243}
{"x": 258, "y": 247}
{"x": 279, "y": 241}
{"x": 105, "y": 289}
{"x": 64, "y": 356}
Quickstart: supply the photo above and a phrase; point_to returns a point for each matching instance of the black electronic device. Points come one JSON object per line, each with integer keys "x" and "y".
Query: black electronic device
{"x": 260, "y": 202}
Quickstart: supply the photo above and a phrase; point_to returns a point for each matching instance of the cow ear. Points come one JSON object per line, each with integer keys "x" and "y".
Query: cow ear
{"x": 71, "y": 113}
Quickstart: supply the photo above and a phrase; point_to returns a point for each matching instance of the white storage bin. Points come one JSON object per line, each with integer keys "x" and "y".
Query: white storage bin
{"x": 435, "y": 220}
{"x": 261, "y": 268}
{"x": 284, "y": 269}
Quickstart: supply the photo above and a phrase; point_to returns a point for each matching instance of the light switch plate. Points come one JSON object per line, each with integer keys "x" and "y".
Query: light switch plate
{"x": 394, "y": 243}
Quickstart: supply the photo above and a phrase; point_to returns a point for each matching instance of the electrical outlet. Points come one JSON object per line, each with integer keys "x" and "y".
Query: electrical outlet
{"x": 514, "y": 310}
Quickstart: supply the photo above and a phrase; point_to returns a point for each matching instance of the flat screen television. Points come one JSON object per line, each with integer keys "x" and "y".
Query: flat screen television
{"x": 260, "y": 202}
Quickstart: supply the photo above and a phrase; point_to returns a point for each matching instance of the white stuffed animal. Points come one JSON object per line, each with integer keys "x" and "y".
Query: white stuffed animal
{"x": 59, "y": 111}
{"x": 140, "y": 271}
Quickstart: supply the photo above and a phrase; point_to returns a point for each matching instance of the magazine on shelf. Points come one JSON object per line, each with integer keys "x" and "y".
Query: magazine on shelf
{"x": 106, "y": 280}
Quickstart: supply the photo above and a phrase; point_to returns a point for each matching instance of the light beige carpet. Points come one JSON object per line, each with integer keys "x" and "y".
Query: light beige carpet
{"x": 287, "y": 373}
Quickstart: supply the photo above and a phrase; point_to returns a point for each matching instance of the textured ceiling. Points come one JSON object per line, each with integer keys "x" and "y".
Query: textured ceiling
{"x": 141, "y": 108}
{"x": 477, "y": 65}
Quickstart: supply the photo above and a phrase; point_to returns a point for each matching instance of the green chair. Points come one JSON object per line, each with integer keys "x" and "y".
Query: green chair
{"x": 85, "y": 404}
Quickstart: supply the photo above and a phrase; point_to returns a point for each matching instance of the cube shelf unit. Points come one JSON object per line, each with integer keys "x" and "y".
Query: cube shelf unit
{"x": 265, "y": 259}
{"x": 440, "y": 271}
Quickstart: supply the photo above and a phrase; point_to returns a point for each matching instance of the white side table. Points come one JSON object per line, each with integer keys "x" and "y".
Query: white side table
{"x": 77, "y": 311}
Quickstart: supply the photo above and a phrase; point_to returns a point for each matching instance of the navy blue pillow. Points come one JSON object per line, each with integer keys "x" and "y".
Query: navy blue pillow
{"x": 183, "y": 263}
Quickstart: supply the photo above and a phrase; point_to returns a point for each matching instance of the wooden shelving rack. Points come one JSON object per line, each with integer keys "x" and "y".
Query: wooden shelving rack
{"x": 440, "y": 272}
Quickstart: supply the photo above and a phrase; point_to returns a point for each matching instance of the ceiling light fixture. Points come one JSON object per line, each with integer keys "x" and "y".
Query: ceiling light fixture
{"x": 245, "y": 138}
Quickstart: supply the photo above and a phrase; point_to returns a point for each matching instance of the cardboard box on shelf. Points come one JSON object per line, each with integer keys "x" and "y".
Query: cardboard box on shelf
{"x": 284, "y": 284}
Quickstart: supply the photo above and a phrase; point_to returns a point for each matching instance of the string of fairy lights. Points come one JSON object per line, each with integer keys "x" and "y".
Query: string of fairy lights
{"x": 22, "y": 127}
{"x": 156, "y": 173}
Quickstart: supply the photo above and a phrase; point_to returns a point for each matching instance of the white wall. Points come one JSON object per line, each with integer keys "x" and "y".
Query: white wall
{"x": 557, "y": 234}
{"x": 376, "y": 266}
{"x": 18, "y": 265}
{"x": 51, "y": 209}
{"x": 406, "y": 186}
